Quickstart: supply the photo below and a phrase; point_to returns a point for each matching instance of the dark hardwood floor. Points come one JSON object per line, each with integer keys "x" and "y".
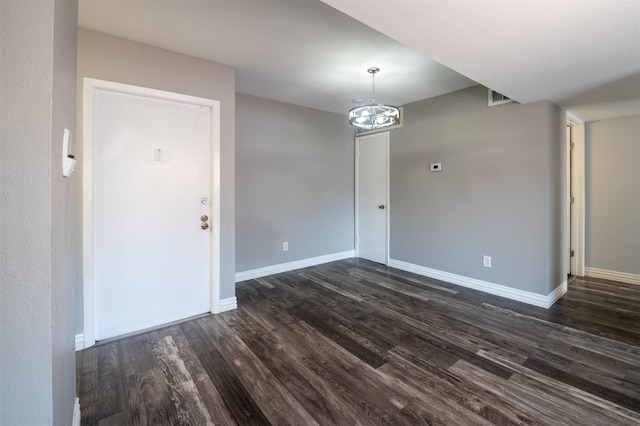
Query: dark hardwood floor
{"x": 357, "y": 343}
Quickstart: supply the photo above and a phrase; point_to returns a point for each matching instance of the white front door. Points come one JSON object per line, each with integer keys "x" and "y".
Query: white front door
{"x": 372, "y": 207}
{"x": 151, "y": 191}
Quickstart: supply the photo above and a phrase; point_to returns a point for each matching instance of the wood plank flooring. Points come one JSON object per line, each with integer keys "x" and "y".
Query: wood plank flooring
{"x": 357, "y": 343}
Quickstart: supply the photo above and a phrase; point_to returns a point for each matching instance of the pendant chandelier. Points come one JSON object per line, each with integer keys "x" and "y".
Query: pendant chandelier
{"x": 374, "y": 116}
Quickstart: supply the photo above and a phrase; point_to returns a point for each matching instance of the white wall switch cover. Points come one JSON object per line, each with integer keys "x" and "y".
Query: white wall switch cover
{"x": 157, "y": 154}
{"x": 436, "y": 167}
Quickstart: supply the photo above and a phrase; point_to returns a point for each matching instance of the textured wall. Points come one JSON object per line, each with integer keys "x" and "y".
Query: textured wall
{"x": 37, "y": 360}
{"x": 612, "y": 192}
{"x": 110, "y": 58}
{"x": 497, "y": 194}
{"x": 556, "y": 173}
{"x": 25, "y": 305}
{"x": 294, "y": 178}
{"x": 65, "y": 218}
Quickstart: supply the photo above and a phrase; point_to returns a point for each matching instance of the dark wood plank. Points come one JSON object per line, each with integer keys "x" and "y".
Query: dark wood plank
{"x": 145, "y": 389}
{"x": 110, "y": 380}
{"x": 265, "y": 389}
{"x": 87, "y": 385}
{"x": 184, "y": 395}
{"x": 342, "y": 404}
{"x": 287, "y": 366}
{"x": 241, "y": 405}
{"x": 208, "y": 393}
{"x": 355, "y": 342}
{"x": 149, "y": 399}
{"x": 545, "y": 400}
{"x": 316, "y": 319}
{"x": 445, "y": 395}
{"x": 584, "y": 384}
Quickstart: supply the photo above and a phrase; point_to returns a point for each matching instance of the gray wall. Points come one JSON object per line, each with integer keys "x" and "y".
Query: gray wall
{"x": 612, "y": 195}
{"x": 501, "y": 191}
{"x": 38, "y": 238}
{"x": 66, "y": 242}
{"x": 110, "y": 58}
{"x": 294, "y": 182}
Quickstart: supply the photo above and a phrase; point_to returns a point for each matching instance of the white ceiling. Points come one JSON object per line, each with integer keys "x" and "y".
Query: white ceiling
{"x": 582, "y": 55}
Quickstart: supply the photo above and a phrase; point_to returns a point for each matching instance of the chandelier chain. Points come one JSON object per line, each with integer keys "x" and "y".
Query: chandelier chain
{"x": 373, "y": 84}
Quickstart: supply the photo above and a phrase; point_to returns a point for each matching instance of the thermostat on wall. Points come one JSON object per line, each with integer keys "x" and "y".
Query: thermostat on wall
{"x": 436, "y": 167}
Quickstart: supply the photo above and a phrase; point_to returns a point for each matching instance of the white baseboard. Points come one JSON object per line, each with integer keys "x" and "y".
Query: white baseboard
{"x": 76, "y": 413}
{"x": 291, "y": 266}
{"x": 534, "y": 299}
{"x": 622, "y": 277}
{"x": 79, "y": 341}
{"x": 224, "y": 305}
{"x": 556, "y": 294}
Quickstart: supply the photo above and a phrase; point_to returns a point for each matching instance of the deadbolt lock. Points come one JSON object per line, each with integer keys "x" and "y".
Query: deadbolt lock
{"x": 204, "y": 218}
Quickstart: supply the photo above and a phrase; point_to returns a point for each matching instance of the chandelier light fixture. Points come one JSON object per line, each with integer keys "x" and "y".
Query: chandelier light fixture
{"x": 374, "y": 116}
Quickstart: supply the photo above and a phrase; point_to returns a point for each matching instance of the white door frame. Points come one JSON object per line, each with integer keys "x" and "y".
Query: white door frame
{"x": 577, "y": 181}
{"x": 358, "y": 140}
{"x": 89, "y": 87}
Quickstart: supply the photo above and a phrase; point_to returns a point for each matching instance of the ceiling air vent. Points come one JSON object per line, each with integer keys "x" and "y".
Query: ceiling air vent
{"x": 496, "y": 98}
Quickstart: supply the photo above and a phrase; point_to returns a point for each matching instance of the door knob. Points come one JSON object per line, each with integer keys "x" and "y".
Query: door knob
{"x": 381, "y": 206}
{"x": 204, "y": 226}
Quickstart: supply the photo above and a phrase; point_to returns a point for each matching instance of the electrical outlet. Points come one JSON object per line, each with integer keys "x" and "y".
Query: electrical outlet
{"x": 486, "y": 261}
{"x": 435, "y": 167}
{"x": 285, "y": 246}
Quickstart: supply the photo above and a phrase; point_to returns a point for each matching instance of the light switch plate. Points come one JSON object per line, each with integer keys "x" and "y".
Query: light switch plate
{"x": 68, "y": 161}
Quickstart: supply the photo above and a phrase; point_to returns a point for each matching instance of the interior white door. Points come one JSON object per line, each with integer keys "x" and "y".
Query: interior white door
{"x": 372, "y": 207}
{"x": 151, "y": 183}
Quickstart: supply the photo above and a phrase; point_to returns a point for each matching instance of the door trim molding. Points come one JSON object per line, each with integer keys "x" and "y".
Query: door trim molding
{"x": 577, "y": 218}
{"x": 90, "y": 85}
{"x": 387, "y": 191}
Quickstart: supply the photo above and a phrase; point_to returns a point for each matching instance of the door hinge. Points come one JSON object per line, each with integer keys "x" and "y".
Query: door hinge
{"x": 572, "y": 253}
{"x": 573, "y": 145}
{"x": 573, "y": 200}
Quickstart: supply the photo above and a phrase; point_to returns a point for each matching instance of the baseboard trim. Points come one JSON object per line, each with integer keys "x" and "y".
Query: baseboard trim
{"x": 76, "y": 413}
{"x": 557, "y": 293}
{"x": 622, "y": 277}
{"x": 530, "y": 298}
{"x": 224, "y": 305}
{"x": 79, "y": 341}
{"x": 291, "y": 266}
